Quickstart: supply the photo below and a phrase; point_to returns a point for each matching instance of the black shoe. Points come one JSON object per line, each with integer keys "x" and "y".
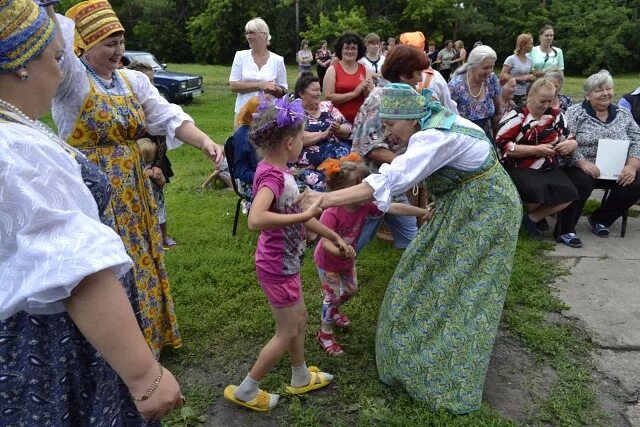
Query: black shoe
{"x": 531, "y": 227}
{"x": 598, "y": 229}
{"x": 543, "y": 225}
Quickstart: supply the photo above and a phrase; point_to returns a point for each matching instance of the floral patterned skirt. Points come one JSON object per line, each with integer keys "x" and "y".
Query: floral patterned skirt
{"x": 311, "y": 157}
{"x": 441, "y": 311}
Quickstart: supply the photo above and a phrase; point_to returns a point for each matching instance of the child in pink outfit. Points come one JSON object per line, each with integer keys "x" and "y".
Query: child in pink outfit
{"x": 337, "y": 272}
{"x": 277, "y": 134}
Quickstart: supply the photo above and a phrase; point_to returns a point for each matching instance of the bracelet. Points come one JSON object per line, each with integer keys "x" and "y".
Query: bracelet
{"x": 151, "y": 388}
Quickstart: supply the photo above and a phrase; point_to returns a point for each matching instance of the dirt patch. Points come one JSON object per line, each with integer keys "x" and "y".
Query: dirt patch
{"x": 515, "y": 383}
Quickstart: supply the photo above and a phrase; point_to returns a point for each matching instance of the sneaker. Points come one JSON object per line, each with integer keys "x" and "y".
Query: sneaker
{"x": 328, "y": 343}
{"x": 570, "y": 240}
{"x": 543, "y": 225}
{"x": 531, "y": 227}
{"x": 598, "y": 229}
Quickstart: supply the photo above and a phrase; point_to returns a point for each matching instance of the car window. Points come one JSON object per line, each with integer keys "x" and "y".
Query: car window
{"x": 147, "y": 59}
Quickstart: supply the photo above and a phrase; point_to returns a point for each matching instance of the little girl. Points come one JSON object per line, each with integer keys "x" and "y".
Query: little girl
{"x": 148, "y": 150}
{"x": 337, "y": 272}
{"x": 277, "y": 134}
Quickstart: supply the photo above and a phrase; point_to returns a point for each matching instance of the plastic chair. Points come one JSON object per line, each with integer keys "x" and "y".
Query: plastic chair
{"x": 229, "y": 154}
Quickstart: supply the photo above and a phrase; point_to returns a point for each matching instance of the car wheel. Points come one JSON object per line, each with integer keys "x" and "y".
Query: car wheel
{"x": 165, "y": 94}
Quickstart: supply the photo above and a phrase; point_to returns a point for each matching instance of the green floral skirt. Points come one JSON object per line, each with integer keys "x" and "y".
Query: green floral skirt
{"x": 441, "y": 311}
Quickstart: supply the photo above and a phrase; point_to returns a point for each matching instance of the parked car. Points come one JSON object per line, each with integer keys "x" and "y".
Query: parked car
{"x": 174, "y": 86}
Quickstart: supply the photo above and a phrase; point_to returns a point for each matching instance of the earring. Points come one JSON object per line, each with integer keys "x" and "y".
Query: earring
{"x": 22, "y": 74}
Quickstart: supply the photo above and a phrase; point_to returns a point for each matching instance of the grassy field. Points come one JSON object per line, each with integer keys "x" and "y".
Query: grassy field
{"x": 225, "y": 319}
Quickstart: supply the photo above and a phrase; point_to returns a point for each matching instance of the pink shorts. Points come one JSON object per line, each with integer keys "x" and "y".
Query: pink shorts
{"x": 285, "y": 293}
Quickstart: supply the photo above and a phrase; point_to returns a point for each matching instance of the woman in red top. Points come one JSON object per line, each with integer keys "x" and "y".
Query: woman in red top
{"x": 530, "y": 139}
{"x": 347, "y": 83}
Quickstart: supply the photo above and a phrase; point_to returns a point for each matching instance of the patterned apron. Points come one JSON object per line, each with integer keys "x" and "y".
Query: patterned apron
{"x": 441, "y": 311}
{"x": 106, "y": 131}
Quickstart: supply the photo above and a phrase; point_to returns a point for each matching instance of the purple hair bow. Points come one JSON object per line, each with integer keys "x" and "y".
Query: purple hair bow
{"x": 289, "y": 113}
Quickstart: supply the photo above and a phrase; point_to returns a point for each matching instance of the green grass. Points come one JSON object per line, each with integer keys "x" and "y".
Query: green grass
{"x": 225, "y": 319}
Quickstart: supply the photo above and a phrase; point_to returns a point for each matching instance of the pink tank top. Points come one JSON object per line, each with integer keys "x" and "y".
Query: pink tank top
{"x": 346, "y": 83}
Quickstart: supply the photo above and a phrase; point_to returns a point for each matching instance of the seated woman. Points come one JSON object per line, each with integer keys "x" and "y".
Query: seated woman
{"x": 631, "y": 102}
{"x": 508, "y": 83}
{"x": 561, "y": 101}
{"x": 245, "y": 159}
{"x": 530, "y": 139}
{"x": 325, "y": 135}
{"x": 593, "y": 119}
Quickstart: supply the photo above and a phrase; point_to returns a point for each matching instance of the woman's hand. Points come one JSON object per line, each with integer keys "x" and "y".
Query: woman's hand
{"x": 213, "y": 151}
{"x": 627, "y": 176}
{"x": 430, "y": 211}
{"x": 589, "y": 168}
{"x": 566, "y": 147}
{"x": 313, "y": 209}
{"x": 545, "y": 150}
{"x": 346, "y": 251}
{"x": 165, "y": 398}
{"x": 309, "y": 198}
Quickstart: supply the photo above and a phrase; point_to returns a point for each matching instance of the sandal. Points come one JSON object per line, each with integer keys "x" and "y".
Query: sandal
{"x": 328, "y": 344}
{"x": 318, "y": 380}
{"x": 598, "y": 229}
{"x": 531, "y": 227}
{"x": 260, "y": 403}
{"x": 341, "y": 320}
{"x": 169, "y": 242}
{"x": 570, "y": 240}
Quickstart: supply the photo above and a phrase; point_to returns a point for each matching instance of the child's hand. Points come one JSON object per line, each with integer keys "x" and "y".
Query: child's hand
{"x": 346, "y": 251}
{"x": 148, "y": 173}
{"x": 314, "y": 209}
{"x": 430, "y": 211}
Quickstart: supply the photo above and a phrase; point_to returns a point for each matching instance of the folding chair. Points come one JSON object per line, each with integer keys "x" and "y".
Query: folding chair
{"x": 229, "y": 154}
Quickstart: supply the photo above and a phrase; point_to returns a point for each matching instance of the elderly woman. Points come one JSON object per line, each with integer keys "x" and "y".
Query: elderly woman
{"x": 561, "y": 101}
{"x": 304, "y": 57}
{"x": 546, "y": 57}
{"x": 71, "y": 351}
{"x": 404, "y": 64}
{"x": 257, "y": 69}
{"x": 530, "y": 140}
{"x": 508, "y": 84}
{"x": 347, "y": 83}
{"x": 476, "y": 89}
{"x": 325, "y": 135}
{"x": 102, "y": 111}
{"x": 594, "y": 119}
{"x": 519, "y": 66}
{"x": 441, "y": 311}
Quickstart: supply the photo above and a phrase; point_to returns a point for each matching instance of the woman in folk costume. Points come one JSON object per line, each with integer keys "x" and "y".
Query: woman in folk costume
{"x": 102, "y": 111}
{"x": 71, "y": 349}
{"x": 441, "y": 311}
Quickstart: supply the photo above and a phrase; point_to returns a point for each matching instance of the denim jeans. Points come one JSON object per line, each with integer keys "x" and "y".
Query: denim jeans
{"x": 403, "y": 228}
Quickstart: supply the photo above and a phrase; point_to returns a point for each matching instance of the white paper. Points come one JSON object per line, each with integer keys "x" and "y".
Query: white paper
{"x": 611, "y": 157}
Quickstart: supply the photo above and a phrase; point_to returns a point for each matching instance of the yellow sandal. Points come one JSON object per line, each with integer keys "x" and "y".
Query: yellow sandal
{"x": 313, "y": 382}
{"x": 260, "y": 403}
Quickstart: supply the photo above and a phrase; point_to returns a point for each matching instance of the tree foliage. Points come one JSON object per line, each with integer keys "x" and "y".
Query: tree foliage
{"x": 593, "y": 34}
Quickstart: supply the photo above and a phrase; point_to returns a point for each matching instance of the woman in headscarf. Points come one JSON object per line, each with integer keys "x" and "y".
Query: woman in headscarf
{"x": 441, "y": 311}
{"x": 71, "y": 350}
{"x": 102, "y": 111}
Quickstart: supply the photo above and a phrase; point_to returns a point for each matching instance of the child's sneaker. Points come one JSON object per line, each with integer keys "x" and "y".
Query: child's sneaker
{"x": 341, "y": 320}
{"x": 328, "y": 343}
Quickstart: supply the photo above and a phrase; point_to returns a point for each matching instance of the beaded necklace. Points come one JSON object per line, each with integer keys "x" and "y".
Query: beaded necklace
{"x": 115, "y": 81}
{"x": 471, "y": 93}
{"x": 13, "y": 114}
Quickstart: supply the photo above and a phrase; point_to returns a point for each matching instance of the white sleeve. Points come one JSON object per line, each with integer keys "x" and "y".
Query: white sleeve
{"x": 427, "y": 152}
{"x": 49, "y": 229}
{"x": 161, "y": 116}
{"x": 73, "y": 71}
{"x": 281, "y": 75}
{"x": 440, "y": 88}
{"x": 236, "y": 68}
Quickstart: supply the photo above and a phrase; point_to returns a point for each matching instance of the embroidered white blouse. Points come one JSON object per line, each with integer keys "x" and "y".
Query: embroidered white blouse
{"x": 427, "y": 151}
{"x": 161, "y": 117}
{"x": 50, "y": 234}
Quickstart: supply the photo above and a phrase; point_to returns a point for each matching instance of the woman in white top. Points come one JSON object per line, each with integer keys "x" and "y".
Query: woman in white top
{"x": 546, "y": 57}
{"x": 441, "y": 310}
{"x": 519, "y": 67}
{"x": 257, "y": 69}
{"x": 66, "y": 321}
